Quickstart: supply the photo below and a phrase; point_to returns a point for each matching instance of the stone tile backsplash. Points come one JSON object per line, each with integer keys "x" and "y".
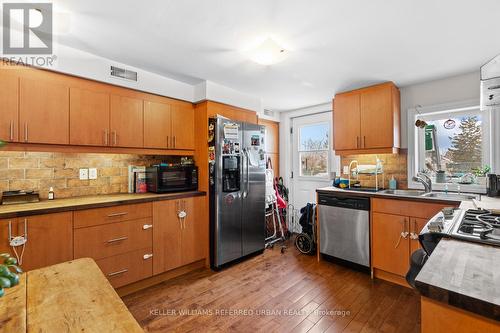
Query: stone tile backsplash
{"x": 39, "y": 171}
{"x": 394, "y": 165}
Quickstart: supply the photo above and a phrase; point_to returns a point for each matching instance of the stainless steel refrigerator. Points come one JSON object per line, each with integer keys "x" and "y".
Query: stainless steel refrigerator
{"x": 237, "y": 190}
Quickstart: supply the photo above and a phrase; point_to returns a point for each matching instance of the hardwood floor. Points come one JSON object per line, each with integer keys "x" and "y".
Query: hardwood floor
{"x": 280, "y": 293}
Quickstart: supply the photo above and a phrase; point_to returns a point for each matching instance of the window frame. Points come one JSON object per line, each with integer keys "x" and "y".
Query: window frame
{"x": 415, "y": 150}
{"x": 327, "y": 150}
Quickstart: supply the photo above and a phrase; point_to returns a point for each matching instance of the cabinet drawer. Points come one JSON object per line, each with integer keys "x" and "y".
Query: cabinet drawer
{"x": 112, "y": 239}
{"x": 417, "y": 209}
{"x": 127, "y": 268}
{"x": 98, "y": 216}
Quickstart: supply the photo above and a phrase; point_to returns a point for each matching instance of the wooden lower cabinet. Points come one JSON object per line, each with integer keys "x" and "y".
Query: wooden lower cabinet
{"x": 178, "y": 240}
{"x": 395, "y": 226}
{"x": 128, "y": 267}
{"x": 50, "y": 239}
{"x": 107, "y": 240}
{"x": 390, "y": 250}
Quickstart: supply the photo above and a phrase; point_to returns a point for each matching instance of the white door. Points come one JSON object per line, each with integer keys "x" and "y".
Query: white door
{"x": 312, "y": 157}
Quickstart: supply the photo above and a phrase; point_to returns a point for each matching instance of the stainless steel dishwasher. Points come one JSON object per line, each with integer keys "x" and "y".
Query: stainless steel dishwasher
{"x": 345, "y": 227}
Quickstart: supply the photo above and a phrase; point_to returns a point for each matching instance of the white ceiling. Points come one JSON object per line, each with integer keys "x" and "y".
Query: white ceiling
{"x": 334, "y": 44}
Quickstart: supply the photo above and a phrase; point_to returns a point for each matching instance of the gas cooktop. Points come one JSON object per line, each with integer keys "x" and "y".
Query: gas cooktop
{"x": 479, "y": 225}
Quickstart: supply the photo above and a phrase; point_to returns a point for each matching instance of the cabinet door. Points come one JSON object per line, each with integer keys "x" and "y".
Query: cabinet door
{"x": 44, "y": 112}
{"x": 9, "y": 108}
{"x": 4, "y": 235}
{"x": 346, "y": 121}
{"x": 416, "y": 225}
{"x": 183, "y": 127}
{"x": 193, "y": 229}
{"x": 89, "y": 117}
{"x": 127, "y": 122}
{"x": 377, "y": 130}
{"x": 157, "y": 125}
{"x": 389, "y": 249}
{"x": 50, "y": 239}
{"x": 166, "y": 236}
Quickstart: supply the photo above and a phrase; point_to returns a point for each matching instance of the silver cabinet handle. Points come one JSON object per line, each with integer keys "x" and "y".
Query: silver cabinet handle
{"x": 174, "y": 140}
{"x": 364, "y": 141}
{"x": 11, "y": 131}
{"x": 118, "y": 272}
{"x": 147, "y": 256}
{"x": 119, "y": 239}
{"x": 357, "y": 142}
{"x": 117, "y": 214}
{"x": 106, "y": 137}
{"x": 147, "y": 226}
{"x": 25, "y": 132}
{"x": 115, "y": 140}
{"x": 168, "y": 145}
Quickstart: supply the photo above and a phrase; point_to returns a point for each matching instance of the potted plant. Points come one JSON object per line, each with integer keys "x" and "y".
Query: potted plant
{"x": 481, "y": 173}
{"x": 9, "y": 272}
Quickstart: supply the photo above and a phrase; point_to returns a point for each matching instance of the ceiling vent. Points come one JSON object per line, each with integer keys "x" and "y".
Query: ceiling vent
{"x": 269, "y": 113}
{"x": 122, "y": 73}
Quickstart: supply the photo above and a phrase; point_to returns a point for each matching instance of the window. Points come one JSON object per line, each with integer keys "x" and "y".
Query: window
{"x": 313, "y": 149}
{"x": 449, "y": 143}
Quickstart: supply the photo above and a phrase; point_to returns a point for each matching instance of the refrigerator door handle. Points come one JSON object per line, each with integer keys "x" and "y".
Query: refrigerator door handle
{"x": 247, "y": 175}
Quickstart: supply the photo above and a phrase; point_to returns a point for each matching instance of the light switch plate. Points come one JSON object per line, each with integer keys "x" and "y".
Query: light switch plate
{"x": 84, "y": 174}
{"x": 346, "y": 170}
{"x": 92, "y": 173}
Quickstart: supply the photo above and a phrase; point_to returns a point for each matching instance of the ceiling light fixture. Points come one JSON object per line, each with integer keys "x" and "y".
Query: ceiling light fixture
{"x": 269, "y": 52}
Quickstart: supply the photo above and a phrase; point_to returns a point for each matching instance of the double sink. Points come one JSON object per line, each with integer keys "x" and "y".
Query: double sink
{"x": 433, "y": 195}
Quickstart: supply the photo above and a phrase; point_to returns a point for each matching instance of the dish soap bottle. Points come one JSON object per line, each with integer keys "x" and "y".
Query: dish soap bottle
{"x": 393, "y": 183}
{"x": 51, "y": 193}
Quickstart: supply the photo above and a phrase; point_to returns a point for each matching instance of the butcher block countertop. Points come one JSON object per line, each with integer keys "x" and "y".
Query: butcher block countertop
{"x": 465, "y": 275}
{"x": 73, "y": 296}
{"x": 87, "y": 202}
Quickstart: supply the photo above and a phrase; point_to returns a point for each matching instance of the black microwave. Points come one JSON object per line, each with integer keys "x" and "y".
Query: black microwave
{"x": 165, "y": 179}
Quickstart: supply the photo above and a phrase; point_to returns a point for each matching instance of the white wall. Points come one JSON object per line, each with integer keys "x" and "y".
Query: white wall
{"x": 453, "y": 89}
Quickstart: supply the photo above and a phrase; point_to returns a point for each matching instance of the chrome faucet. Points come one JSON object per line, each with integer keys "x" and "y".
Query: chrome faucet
{"x": 424, "y": 180}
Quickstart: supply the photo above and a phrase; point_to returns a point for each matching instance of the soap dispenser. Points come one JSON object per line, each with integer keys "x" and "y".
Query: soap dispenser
{"x": 393, "y": 184}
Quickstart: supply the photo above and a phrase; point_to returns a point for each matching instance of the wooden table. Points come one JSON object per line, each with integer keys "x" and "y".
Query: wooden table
{"x": 70, "y": 297}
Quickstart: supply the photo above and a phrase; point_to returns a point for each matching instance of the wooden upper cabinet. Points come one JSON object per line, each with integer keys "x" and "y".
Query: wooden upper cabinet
{"x": 376, "y": 118}
{"x": 157, "y": 125}
{"x": 346, "y": 121}
{"x": 126, "y": 122}
{"x": 44, "y": 111}
{"x": 272, "y": 135}
{"x": 89, "y": 117}
{"x": 367, "y": 120}
{"x": 182, "y": 126}
{"x": 9, "y": 107}
{"x": 50, "y": 239}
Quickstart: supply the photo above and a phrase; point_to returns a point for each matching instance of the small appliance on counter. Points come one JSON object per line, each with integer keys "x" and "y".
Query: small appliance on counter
{"x": 166, "y": 178}
{"x": 19, "y": 197}
{"x": 493, "y": 185}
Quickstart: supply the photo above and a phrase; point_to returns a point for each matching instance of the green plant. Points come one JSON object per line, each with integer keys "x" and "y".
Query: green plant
{"x": 482, "y": 172}
{"x": 8, "y": 272}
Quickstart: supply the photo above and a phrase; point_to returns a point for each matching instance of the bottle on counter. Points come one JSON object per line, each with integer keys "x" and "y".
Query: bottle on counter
{"x": 51, "y": 193}
{"x": 393, "y": 183}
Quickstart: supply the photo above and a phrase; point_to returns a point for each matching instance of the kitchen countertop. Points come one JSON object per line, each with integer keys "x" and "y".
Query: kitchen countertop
{"x": 87, "y": 202}
{"x": 362, "y": 193}
{"x": 465, "y": 275}
{"x": 73, "y": 296}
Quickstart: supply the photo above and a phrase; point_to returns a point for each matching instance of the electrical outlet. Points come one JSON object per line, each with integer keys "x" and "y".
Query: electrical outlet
{"x": 346, "y": 170}
{"x": 92, "y": 173}
{"x": 84, "y": 174}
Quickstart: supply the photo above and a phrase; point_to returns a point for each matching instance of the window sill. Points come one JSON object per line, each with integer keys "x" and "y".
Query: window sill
{"x": 473, "y": 188}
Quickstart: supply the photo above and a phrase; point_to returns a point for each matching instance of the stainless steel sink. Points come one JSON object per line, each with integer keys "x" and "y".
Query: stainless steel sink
{"x": 450, "y": 196}
{"x": 408, "y": 193}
